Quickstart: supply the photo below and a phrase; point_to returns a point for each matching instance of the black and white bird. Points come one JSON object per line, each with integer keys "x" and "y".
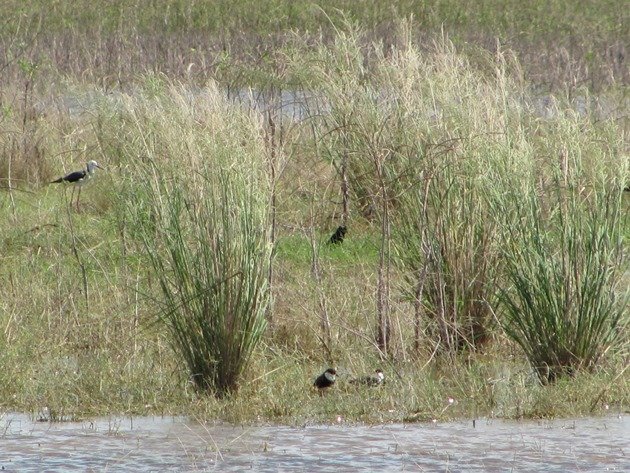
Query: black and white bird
{"x": 338, "y": 236}
{"x": 79, "y": 178}
{"x": 375, "y": 380}
{"x": 326, "y": 379}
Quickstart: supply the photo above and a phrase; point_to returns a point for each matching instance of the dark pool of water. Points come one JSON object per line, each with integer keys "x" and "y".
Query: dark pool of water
{"x": 179, "y": 444}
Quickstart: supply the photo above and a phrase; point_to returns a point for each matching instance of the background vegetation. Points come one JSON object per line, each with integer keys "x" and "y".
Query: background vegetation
{"x": 478, "y": 154}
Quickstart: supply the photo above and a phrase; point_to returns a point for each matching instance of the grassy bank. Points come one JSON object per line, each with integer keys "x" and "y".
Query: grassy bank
{"x": 81, "y": 358}
{"x": 433, "y": 156}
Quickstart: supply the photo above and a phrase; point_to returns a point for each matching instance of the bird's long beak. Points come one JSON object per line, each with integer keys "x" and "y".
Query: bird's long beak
{"x": 100, "y": 167}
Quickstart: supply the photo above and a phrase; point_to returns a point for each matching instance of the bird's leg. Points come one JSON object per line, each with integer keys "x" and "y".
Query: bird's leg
{"x": 78, "y": 197}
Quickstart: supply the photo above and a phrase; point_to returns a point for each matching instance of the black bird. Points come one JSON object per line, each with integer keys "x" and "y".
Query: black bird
{"x": 338, "y": 236}
{"x": 326, "y": 379}
{"x": 375, "y": 380}
{"x": 78, "y": 178}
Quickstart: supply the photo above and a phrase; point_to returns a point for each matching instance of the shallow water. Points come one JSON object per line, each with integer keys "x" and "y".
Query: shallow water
{"x": 178, "y": 444}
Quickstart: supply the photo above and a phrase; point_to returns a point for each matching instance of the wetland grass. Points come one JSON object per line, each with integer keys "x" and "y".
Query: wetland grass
{"x": 565, "y": 298}
{"x": 110, "y": 43}
{"x": 459, "y": 173}
{"x": 202, "y": 217}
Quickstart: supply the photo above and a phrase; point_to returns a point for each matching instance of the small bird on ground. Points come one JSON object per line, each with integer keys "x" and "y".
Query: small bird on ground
{"x": 375, "y": 380}
{"x": 79, "y": 178}
{"x": 338, "y": 236}
{"x": 326, "y": 379}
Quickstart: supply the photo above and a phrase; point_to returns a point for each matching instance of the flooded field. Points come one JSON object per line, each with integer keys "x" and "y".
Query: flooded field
{"x": 179, "y": 444}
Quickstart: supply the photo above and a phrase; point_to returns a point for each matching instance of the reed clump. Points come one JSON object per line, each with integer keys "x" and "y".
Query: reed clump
{"x": 201, "y": 215}
{"x": 564, "y": 298}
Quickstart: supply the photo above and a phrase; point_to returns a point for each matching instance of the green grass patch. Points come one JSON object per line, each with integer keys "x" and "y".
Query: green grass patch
{"x": 360, "y": 248}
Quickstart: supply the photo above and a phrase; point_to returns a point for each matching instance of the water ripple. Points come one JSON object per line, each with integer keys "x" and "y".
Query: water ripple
{"x": 178, "y": 444}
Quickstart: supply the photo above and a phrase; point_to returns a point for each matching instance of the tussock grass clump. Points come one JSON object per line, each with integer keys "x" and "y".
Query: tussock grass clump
{"x": 203, "y": 220}
{"x": 564, "y": 307}
{"x": 564, "y": 300}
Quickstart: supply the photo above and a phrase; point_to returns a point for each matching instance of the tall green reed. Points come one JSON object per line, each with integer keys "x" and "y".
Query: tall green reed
{"x": 564, "y": 301}
{"x": 202, "y": 218}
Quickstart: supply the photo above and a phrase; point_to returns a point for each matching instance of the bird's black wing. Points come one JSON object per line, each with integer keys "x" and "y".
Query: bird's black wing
{"x": 72, "y": 177}
{"x": 323, "y": 382}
